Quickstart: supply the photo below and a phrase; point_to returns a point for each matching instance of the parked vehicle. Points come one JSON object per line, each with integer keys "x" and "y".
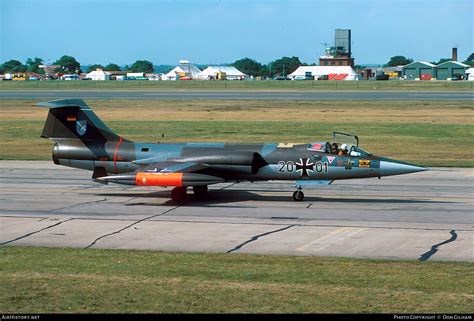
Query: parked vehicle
{"x": 19, "y": 77}
{"x": 299, "y": 77}
{"x": 381, "y": 76}
{"x": 70, "y": 77}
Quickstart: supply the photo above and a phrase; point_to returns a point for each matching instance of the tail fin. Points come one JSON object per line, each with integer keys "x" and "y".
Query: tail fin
{"x": 73, "y": 119}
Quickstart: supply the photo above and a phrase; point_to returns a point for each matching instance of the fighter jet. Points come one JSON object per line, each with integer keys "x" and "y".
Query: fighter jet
{"x": 83, "y": 141}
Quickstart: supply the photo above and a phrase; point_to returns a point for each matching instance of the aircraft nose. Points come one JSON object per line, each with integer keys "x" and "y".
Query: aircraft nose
{"x": 393, "y": 167}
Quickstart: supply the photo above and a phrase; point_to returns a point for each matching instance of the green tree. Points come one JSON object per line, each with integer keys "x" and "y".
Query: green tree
{"x": 142, "y": 66}
{"x": 13, "y": 66}
{"x": 163, "y": 68}
{"x": 441, "y": 61}
{"x": 94, "y": 67}
{"x": 248, "y": 66}
{"x": 398, "y": 61}
{"x": 470, "y": 60}
{"x": 33, "y": 65}
{"x": 68, "y": 64}
{"x": 112, "y": 67}
{"x": 285, "y": 65}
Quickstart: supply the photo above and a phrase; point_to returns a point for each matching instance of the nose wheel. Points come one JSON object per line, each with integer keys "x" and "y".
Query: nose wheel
{"x": 298, "y": 195}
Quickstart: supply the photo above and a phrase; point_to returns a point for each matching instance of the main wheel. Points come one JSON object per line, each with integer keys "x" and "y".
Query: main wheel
{"x": 298, "y": 196}
{"x": 200, "y": 191}
{"x": 178, "y": 194}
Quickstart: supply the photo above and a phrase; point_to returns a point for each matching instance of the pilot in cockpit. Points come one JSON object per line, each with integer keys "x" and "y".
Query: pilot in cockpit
{"x": 344, "y": 150}
{"x": 334, "y": 148}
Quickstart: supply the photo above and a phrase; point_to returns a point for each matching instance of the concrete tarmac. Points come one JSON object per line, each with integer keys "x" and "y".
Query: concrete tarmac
{"x": 236, "y": 95}
{"x": 422, "y": 216}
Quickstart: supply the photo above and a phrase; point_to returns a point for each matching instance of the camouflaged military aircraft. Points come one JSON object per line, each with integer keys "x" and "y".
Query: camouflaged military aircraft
{"x": 83, "y": 141}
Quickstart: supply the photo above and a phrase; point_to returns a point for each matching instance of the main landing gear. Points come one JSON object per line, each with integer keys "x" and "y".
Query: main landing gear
{"x": 200, "y": 191}
{"x": 179, "y": 195}
{"x": 298, "y": 195}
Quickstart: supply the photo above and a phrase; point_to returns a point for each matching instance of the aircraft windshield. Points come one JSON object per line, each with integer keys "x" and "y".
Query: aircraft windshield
{"x": 357, "y": 151}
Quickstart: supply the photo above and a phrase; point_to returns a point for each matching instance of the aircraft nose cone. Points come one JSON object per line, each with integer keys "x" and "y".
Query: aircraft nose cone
{"x": 392, "y": 167}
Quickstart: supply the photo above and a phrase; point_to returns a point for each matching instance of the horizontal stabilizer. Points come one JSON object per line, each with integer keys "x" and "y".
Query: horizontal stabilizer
{"x": 62, "y": 103}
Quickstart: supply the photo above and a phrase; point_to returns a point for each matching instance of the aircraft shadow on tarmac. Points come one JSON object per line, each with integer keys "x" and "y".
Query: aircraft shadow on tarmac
{"x": 233, "y": 196}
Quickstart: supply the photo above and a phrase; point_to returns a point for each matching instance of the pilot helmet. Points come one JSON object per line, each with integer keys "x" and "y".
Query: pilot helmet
{"x": 344, "y": 146}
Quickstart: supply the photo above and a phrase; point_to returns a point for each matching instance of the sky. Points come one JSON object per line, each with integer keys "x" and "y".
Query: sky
{"x": 213, "y": 31}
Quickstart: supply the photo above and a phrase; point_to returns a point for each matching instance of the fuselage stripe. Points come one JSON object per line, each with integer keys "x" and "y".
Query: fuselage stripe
{"x": 115, "y": 153}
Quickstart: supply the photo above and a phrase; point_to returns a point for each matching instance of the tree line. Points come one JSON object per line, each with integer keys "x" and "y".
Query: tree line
{"x": 69, "y": 65}
{"x": 279, "y": 67}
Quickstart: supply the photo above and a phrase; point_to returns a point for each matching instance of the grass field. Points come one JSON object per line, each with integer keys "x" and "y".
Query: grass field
{"x": 241, "y": 85}
{"x": 425, "y": 133}
{"x": 42, "y": 280}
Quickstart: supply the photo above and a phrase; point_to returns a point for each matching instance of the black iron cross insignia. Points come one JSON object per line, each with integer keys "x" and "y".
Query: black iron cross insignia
{"x": 304, "y": 165}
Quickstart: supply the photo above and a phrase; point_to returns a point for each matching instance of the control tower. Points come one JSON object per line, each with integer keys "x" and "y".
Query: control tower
{"x": 340, "y": 54}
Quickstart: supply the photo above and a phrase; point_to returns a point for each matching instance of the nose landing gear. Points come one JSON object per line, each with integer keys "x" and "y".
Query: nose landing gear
{"x": 298, "y": 195}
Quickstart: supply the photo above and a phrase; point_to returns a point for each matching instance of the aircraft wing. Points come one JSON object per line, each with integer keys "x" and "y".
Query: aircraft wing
{"x": 230, "y": 161}
{"x": 173, "y": 167}
{"x": 165, "y": 174}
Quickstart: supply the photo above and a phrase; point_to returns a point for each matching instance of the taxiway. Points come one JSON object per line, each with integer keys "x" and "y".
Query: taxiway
{"x": 424, "y": 216}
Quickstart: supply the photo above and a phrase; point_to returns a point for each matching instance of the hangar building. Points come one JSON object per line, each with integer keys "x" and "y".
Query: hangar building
{"x": 448, "y": 69}
{"x": 419, "y": 70}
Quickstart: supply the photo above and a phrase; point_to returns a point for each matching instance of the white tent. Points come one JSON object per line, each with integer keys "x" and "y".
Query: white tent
{"x": 333, "y": 72}
{"x": 98, "y": 74}
{"x": 470, "y": 74}
{"x": 184, "y": 69}
{"x": 213, "y": 72}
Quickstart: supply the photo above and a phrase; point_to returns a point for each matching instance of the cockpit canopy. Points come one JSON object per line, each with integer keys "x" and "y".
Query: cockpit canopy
{"x": 339, "y": 147}
{"x": 323, "y": 147}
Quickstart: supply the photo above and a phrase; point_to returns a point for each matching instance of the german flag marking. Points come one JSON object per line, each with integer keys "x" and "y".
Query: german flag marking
{"x": 71, "y": 118}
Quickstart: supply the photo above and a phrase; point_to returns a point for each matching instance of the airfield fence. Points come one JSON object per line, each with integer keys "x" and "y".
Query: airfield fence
{"x": 241, "y": 84}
